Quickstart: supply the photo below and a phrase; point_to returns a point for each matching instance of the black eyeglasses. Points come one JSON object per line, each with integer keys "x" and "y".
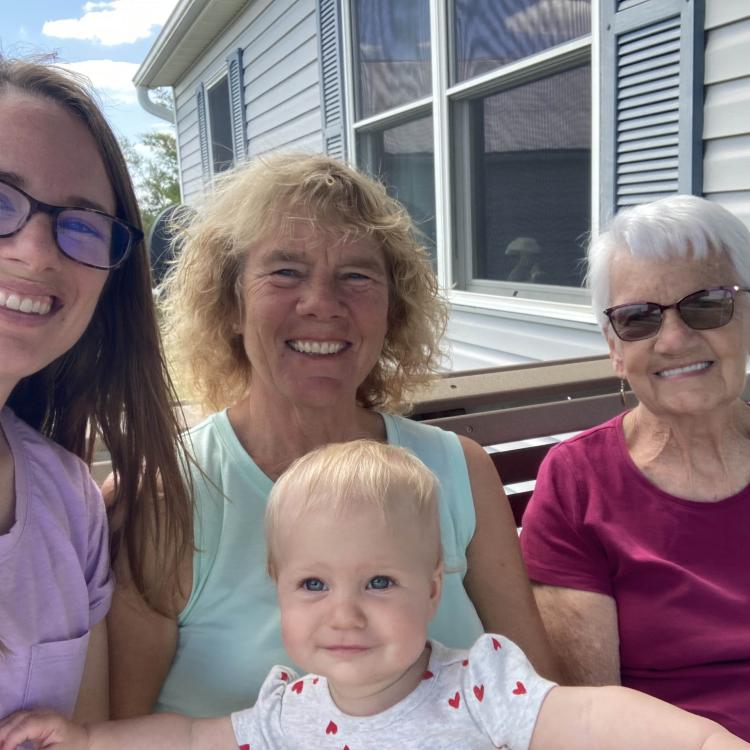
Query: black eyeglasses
{"x": 84, "y": 235}
{"x": 702, "y": 310}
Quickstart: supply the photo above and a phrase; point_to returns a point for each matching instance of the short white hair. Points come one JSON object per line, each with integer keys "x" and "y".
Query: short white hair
{"x": 681, "y": 226}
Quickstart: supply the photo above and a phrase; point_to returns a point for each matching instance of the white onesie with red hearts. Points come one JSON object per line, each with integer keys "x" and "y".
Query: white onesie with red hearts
{"x": 487, "y": 697}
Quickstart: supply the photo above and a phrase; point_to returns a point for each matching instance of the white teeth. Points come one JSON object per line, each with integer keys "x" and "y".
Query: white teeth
{"x": 682, "y": 370}
{"x": 317, "y": 347}
{"x": 25, "y": 304}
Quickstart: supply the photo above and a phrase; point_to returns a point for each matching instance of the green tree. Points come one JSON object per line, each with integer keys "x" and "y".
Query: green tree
{"x": 153, "y": 167}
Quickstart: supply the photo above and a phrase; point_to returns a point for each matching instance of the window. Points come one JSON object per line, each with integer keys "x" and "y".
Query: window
{"x": 523, "y": 194}
{"x": 220, "y": 126}
{"x": 402, "y": 156}
{"x": 476, "y": 114}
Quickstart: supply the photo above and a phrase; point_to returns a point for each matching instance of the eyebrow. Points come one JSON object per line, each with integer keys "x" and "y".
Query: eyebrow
{"x": 73, "y": 201}
{"x": 301, "y": 256}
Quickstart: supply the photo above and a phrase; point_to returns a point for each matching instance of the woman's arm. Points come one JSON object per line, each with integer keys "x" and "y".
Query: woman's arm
{"x": 582, "y": 626}
{"x": 93, "y": 697}
{"x": 163, "y": 731}
{"x": 496, "y": 580}
{"x": 618, "y": 718}
{"x": 142, "y": 639}
{"x": 142, "y": 644}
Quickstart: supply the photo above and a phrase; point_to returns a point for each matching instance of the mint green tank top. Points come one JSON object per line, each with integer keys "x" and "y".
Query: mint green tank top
{"x": 229, "y": 634}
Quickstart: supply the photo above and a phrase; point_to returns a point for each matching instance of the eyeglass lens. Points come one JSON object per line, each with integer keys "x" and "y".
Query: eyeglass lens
{"x": 84, "y": 235}
{"x": 703, "y": 310}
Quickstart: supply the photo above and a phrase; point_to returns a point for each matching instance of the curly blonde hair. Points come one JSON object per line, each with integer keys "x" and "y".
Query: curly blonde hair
{"x": 262, "y": 199}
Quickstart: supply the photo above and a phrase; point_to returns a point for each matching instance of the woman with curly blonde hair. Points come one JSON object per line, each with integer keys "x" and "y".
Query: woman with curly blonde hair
{"x": 304, "y": 308}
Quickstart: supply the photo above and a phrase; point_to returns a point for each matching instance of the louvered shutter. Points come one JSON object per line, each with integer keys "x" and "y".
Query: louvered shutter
{"x": 200, "y": 104}
{"x": 651, "y": 100}
{"x": 331, "y": 78}
{"x": 235, "y": 76}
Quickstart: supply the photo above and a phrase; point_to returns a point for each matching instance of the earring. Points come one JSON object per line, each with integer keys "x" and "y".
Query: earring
{"x": 622, "y": 394}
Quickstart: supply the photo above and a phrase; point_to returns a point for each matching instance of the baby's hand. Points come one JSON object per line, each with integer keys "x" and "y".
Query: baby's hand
{"x": 41, "y": 729}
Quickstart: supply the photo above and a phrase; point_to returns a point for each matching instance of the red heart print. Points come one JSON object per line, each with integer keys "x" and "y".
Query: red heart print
{"x": 244, "y": 747}
{"x": 520, "y": 689}
{"x": 284, "y": 676}
{"x": 496, "y": 644}
{"x": 455, "y": 700}
{"x": 297, "y": 687}
{"x": 427, "y": 675}
{"x": 479, "y": 692}
{"x": 465, "y": 663}
{"x": 346, "y": 747}
{"x": 331, "y": 728}
{"x": 315, "y": 680}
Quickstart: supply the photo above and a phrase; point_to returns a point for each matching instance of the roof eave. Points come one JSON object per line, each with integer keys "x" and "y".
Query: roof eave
{"x": 191, "y": 27}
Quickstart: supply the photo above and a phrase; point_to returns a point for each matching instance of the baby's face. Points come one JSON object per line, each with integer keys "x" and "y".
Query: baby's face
{"x": 356, "y": 594}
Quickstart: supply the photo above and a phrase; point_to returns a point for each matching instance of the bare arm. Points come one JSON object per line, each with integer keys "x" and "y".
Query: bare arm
{"x": 142, "y": 640}
{"x": 496, "y": 580}
{"x": 93, "y": 697}
{"x": 162, "y": 731}
{"x": 617, "y": 718}
{"x": 582, "y": 626}
{"x": 142, "y": 645}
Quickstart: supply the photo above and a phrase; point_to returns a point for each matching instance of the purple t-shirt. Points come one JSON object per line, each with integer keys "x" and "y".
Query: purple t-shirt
{"x": 677, "y": 569}
{"x": 55, "y": 581}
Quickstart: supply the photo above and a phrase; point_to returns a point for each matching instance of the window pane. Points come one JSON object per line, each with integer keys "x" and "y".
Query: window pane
{"x": 392, "y": 47}
{"x": 403, "y": 158}
{"x": 220, "y": 123}
{"x": 531, "y": 180}
{"x": 491, "y": 33}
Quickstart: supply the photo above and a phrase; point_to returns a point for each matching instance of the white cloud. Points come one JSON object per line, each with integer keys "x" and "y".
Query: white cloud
{"x": 112, "y": 22}
{"x": 554, "y": 18}
{"x": 112, "y": 80}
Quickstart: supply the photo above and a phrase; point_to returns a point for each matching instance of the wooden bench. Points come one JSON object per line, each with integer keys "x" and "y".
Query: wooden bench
{"x": 519, "y": 412}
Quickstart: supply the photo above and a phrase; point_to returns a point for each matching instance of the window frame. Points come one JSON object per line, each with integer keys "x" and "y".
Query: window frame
{"x": 209, "y": 84}
{"x": 564, "y": 304}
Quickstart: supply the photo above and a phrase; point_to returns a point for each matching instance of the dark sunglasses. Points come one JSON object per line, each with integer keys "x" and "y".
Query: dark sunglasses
{"x": 701, "y": 311}
{"x": 84, "y": 235}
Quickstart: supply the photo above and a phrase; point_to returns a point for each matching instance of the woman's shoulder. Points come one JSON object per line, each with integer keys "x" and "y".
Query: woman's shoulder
{"x": 47, "y": 456}
{"x": 606, "y": 436}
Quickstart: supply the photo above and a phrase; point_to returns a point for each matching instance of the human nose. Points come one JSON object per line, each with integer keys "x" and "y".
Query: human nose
{"x": 674, "y": 333}
{"x": 320, "y": 297}
{"x": 347, "y": 613}
{"x": 34, "y": 244}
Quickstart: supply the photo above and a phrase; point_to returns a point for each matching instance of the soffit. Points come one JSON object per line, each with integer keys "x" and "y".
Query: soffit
{"x": 192, "y": 27}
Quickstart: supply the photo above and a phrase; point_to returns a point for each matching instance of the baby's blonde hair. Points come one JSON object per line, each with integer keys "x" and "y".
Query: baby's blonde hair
{"x": 341, "y": 477}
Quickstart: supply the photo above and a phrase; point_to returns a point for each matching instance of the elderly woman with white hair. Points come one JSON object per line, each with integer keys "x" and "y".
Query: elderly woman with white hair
{"x": 637, "y": 537}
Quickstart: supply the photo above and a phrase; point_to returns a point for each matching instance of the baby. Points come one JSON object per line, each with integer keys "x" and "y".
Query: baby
{"x": 354, "y": 550}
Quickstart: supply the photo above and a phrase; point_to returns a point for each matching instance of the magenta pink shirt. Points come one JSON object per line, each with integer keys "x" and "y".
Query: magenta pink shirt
{"x": 55, "y": 582}
{"x": 679, "y": 571}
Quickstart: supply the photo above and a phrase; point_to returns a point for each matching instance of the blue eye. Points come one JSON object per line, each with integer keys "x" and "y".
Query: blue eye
{"x": 77, "y": 225}
{"x": 313, "y": 584}
{"x": 380, "y": 583}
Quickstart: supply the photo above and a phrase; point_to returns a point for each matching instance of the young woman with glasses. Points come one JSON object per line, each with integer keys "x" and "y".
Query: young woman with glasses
{"x": 79, "y": 356}
{"x": 637, "y": 534}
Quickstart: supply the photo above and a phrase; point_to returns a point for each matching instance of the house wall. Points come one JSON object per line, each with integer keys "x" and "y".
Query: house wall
{"x": 726, "y": 131}
{"x": 282, "y": 96}
{"x": 281, "y": 80}
{"x": 485, "y": 339}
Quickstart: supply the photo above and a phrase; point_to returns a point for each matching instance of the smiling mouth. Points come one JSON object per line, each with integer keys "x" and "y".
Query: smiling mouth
{"x": 317, "y": 348}
{"x": 686, "y": 370}
{"x": 27, "y": 305}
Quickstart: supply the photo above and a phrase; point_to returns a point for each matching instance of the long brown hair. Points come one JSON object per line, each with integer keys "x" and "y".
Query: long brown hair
{"x": 114, "y": 380}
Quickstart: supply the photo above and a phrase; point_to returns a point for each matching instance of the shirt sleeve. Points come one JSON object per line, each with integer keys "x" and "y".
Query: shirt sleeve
{"x": 503, "y": 692}
{"x": 97, "y": 570}
{"x": 259, "y": 727}
{"x": 559, "y": 547}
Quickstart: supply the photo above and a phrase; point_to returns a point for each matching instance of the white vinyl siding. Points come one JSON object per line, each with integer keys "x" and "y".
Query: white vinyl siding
{"x": 726, "y": 126}
{"x": 280, "y": 75}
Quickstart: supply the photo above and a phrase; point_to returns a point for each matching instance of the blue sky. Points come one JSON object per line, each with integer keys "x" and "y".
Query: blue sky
{"x": 106, "y": 40}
